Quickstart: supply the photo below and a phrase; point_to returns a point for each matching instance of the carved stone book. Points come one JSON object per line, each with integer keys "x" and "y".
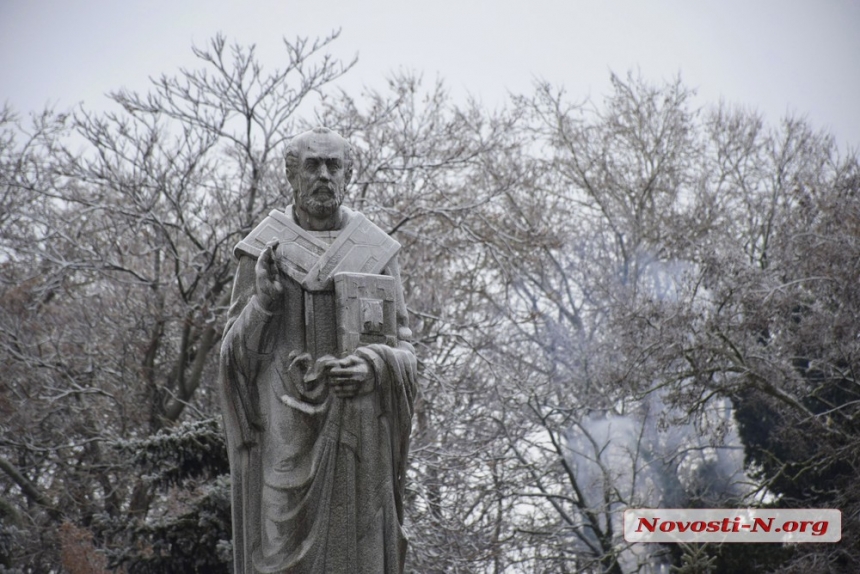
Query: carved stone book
{"x": 365, "y": 310}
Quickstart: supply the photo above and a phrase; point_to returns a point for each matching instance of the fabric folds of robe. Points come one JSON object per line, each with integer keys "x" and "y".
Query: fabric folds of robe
{"x": 317, "y": 487}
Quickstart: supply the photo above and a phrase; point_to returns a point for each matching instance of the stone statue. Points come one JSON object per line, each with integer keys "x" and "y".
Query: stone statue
{"x": 318, "y": 380}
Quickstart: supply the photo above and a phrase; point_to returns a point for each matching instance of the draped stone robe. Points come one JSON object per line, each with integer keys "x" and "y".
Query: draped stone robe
{"x": 317, "y": 481}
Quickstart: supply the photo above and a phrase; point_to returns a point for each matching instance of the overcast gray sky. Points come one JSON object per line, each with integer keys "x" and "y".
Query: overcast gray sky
{"x": 777, "y": 56}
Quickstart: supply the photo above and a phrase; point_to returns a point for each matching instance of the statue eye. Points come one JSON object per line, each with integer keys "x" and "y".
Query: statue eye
{"x": 311, "y": 164}
{"x": 333, "y": 164}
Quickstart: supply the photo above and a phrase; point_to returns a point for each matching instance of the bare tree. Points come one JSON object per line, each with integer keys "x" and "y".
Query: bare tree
{"x": 626, "y": 302}
{"x": 119, "y": 268}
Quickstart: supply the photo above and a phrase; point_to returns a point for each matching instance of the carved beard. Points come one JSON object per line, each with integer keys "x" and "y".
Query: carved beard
{"x": 321, "y": 206}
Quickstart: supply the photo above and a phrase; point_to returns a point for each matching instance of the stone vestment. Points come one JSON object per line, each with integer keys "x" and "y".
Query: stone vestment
{"x": 317, "y": 480}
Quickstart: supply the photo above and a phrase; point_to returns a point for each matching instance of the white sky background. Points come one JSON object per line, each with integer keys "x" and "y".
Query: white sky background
{"x": 776, "y": 56}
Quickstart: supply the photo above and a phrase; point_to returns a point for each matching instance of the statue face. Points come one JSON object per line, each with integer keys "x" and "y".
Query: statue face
{"x": 320, "y": 182}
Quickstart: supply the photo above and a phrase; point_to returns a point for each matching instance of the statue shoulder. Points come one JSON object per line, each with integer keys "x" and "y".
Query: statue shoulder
{"x": 277, "y": 225}
{"x": 357, "y": 234}
{"x": 359, "y": 229}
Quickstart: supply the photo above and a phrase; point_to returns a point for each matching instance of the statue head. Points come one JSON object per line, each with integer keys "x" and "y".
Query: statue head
{"x": 319, "y": 165}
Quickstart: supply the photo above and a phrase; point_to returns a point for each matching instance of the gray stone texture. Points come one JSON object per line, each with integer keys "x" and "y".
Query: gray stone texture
{"x": 318, "y": 379}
